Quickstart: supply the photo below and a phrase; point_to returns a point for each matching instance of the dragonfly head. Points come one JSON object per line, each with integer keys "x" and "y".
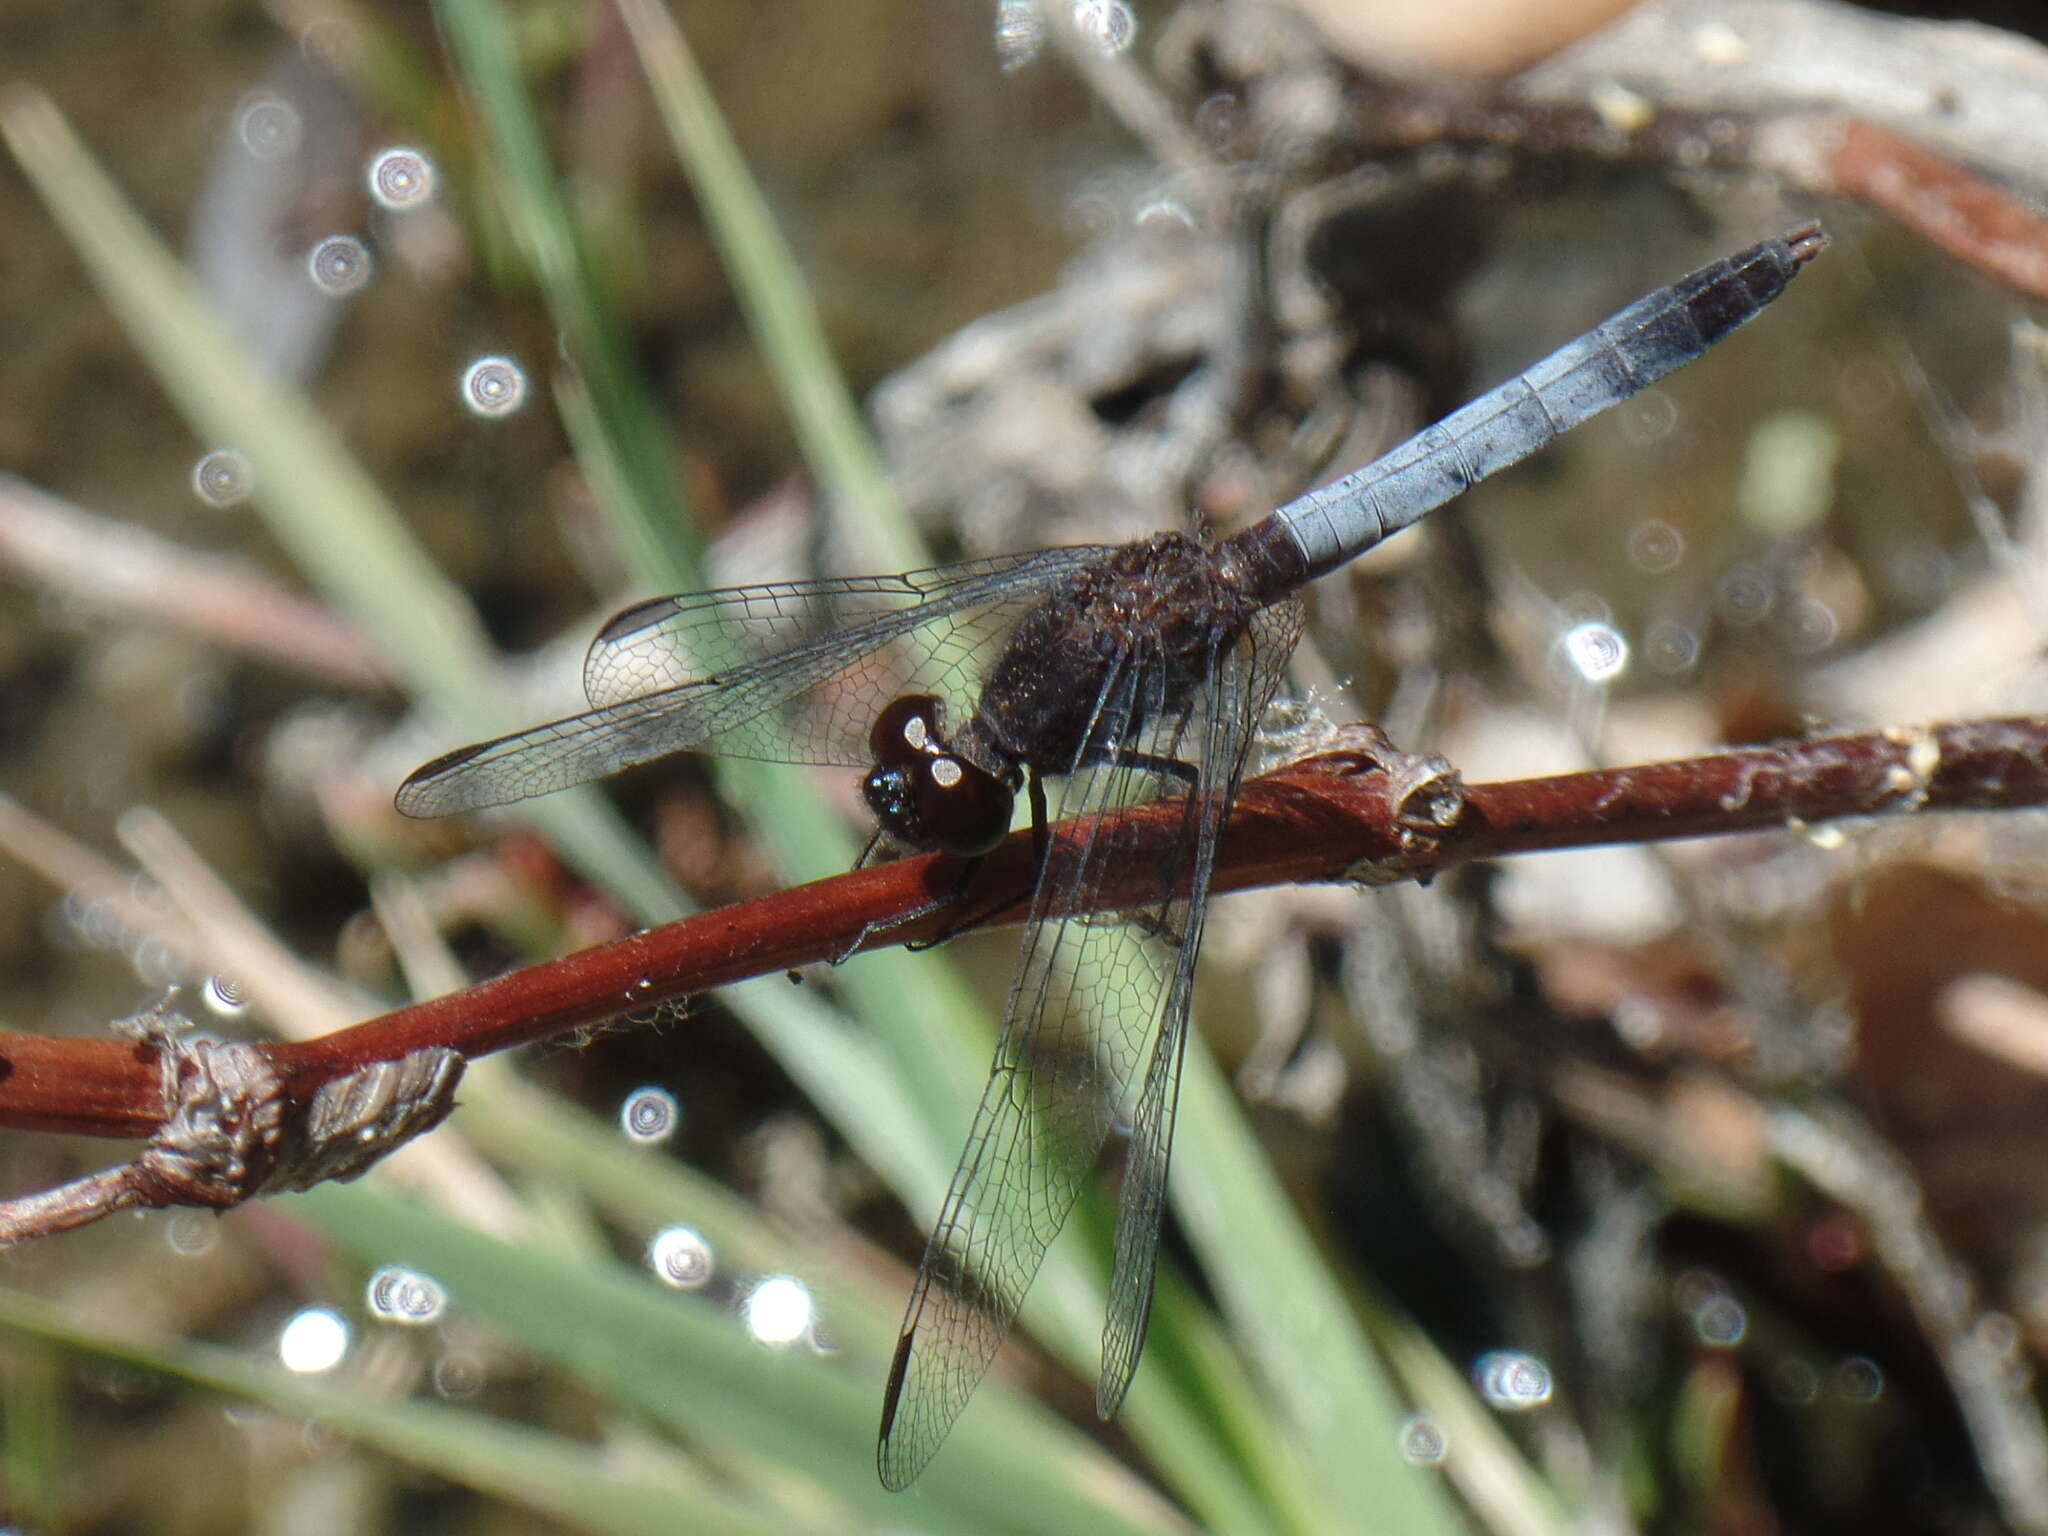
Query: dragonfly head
{"x": 926, "y": 795}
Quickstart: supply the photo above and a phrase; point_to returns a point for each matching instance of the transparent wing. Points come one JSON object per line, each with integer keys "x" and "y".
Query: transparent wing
{"x": 788, "y": 671}
{"x": 1084, "y": 1010}
{"x": 1042, "y": 1118}
{"x": 1243, "y": 682}
{"x": 666, "y": 642}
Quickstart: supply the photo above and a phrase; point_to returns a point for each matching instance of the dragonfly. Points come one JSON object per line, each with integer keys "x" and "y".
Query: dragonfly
{"x": 1088, "y": 678}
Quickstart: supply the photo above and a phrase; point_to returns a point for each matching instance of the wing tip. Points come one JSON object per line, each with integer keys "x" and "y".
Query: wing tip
{"x": 896, "y": 1477}
{"x": 1119, "y": 1368}
{"x": 897, "y": 1462}
{"x": 421, "y": 796}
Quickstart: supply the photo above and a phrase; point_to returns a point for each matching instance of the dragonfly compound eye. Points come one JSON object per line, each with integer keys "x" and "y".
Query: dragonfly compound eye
{"x": 907, "y": 729}
{"x": 892, "y": 795}
{"x": 962, "y": 809}
{"x": 939, "y": 803}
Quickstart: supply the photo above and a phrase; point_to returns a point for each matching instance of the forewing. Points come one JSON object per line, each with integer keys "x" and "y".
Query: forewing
{"x": 1221, "y": 726}
{"x": 665, "y": 642}
{"x": 1048, "y": 1106}
{"x": 848, "y": 645}
{"x": 756, "y": 671}
{"x": 542, "y": 758}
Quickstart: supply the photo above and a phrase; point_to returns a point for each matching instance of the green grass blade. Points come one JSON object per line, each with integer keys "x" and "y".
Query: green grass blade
{"x": 1195, "y": 1342}
{"x": 772, "y": 292}
{"x": 656, "y": 527}
{"x": 586, "y": 1486}
{"x": 326, "y": 512}
{"x": 1293, "y": 1317}
{"x": 34, "y": 1431}
{"x": 641, "y": 1189}
{"x": 687, "y": 1363}
{"x": 334, "y": 519}
{"x": 1483, "y": 1463}
{"x": 526, "y": 1130}
{"x": 1195, "y": 1409}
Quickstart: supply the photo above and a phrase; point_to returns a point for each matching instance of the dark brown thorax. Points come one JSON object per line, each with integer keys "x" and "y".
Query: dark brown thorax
{"x": 1163, "y": 606}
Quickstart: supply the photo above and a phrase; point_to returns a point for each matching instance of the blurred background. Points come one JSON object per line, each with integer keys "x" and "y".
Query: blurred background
{"x": 1692, "y": 1188}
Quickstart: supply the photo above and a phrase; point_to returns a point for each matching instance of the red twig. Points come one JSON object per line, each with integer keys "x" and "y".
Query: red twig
{"x": 1334, "y": 815}
{"x": 1967, "y": 216}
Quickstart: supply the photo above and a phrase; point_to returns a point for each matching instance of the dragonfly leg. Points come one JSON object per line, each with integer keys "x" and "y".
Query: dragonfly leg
{"x": 1041, "y": 842}
{"x": 1041, "y": 856}
{"x": 922, "y": 910}
{"x": 951, "y": 899}
{"x": 1154, "y": 763}
{"x": 868, "y": 848}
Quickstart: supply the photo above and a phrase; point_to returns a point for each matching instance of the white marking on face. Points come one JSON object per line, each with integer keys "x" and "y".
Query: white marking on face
{"x": 946, "y": 772}
{"x": 917, "y": 734}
